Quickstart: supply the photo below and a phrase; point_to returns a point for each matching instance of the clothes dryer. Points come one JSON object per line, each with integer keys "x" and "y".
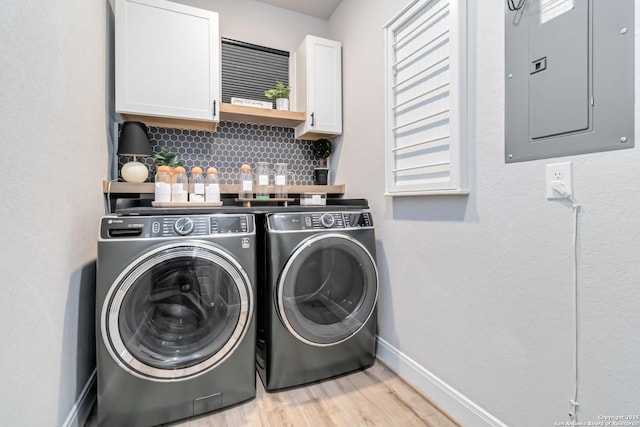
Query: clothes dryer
{"x": 317, "y": 296}
{"x": 175, "y": 323}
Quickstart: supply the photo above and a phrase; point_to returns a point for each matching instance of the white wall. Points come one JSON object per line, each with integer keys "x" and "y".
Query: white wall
{"x": 477, "y": 289}
{"x": 56, "y": 107}
{"x": 262, "y": 24}
{"x": 54, "y": 157}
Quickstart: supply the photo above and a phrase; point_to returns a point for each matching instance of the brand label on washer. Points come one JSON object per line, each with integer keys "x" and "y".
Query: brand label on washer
{"x": 246, "y": 243}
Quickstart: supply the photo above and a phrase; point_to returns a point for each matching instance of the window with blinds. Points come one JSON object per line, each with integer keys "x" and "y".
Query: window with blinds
{"x": 426, "y": 99}
{"x": 248, "y": 70}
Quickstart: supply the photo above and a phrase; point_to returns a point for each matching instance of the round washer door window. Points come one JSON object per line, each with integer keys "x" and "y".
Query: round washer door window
{"x": 328, "y": 289}
{"x": 177, "y": 312}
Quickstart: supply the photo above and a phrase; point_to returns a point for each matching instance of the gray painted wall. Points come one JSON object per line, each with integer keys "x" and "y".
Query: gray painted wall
{"x": 477, "y": 289}
{"x": 53, "y": 117}
{"x": 262, "y": 24}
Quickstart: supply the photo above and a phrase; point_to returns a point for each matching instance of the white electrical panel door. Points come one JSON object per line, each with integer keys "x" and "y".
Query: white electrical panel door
{"x": 319, "y": 87}
{"x": 167, "y": 60}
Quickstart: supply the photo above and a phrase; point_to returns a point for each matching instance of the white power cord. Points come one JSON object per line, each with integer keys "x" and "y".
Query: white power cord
{"x": 109, "y": 195}
{"x": 559, "y": 188}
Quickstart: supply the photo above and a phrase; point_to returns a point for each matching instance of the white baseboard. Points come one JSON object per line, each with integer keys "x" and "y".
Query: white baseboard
{"x": 456, "y": 405}
{"x": 81, "y": 410}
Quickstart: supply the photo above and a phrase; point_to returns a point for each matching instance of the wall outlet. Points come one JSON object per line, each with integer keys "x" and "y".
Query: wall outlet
{"x": 558, "y": 172}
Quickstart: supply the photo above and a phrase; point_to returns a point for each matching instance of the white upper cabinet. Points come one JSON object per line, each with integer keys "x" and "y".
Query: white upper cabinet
{"x": 319, "y": 87}
{"x": 167, "y": 61}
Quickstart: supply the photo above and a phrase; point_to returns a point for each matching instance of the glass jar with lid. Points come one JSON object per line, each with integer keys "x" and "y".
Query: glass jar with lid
{"x": 262, "y": 180}
{"x": 162, "y": 184}
{"x": 196, "y": 185}
{"x": 246, "y": 183}
{"x": 282, "y": 180}
{"x": 212, "y": 186}
{"x": 179, "y": 185}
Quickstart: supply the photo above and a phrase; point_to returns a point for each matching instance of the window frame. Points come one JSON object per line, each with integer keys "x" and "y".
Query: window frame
{"x": 457, "y": 182}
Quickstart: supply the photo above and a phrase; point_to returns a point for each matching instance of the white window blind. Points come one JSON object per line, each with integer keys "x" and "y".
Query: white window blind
{"x": 426, "y": 99}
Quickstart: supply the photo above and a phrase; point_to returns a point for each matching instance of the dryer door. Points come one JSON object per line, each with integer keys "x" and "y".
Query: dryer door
{"x": 177, "y": 311}
{"x": 327, "y": 289}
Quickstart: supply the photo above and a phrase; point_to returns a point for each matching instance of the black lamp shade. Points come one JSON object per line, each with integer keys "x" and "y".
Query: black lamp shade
{"x": 134, "y": 140}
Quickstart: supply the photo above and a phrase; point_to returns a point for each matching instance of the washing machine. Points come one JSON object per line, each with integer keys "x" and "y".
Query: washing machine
{"x": 175, "y": 316}
{"x": 317, "y": 296}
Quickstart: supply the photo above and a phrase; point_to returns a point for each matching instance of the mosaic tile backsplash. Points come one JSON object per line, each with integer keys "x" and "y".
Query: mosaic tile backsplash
{"x": 232, "y": 145}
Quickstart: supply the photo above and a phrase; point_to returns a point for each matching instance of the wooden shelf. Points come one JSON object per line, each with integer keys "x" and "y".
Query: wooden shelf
{"x": 247, "y": 202}
{"x": 114, "y": 188}
{"x": 314, "y": 136}
{"x": 167, "y": 122}
{"x": 260, "y": 116}
{"x": 228, "y": 113}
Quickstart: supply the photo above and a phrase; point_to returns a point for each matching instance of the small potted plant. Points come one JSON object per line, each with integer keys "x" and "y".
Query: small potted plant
{"x": 281, "y": 94}
{"x": 166, "y": 157}
{"x": 321, "y": 150}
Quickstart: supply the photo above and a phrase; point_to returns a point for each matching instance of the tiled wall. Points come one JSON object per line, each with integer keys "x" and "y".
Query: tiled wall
{"x": 232, "y": 145}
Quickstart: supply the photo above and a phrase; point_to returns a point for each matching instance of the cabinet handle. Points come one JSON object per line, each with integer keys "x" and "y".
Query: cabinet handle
{"x": 214, "y": 108}
{"x": 313, "y": 120}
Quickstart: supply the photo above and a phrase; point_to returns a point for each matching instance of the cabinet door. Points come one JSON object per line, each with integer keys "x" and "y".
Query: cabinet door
{"x": 319, "y": 87}
{"x": 167, "y": 60}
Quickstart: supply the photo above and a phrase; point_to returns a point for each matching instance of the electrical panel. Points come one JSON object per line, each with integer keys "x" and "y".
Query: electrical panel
{"x": 569, "y": 77}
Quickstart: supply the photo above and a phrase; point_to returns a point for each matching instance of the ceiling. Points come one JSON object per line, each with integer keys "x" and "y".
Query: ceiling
{"x": 318, "y": 8}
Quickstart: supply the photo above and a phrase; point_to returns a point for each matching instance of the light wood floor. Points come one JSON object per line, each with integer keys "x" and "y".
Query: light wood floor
{"x": 374, "y": 397}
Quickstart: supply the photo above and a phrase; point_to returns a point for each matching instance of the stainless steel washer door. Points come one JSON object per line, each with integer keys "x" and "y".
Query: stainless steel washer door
{"x": 177, "y": 311}
{"x": 328, "y": 289}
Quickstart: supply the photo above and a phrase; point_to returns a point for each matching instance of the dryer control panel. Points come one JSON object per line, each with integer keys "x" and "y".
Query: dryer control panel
{"x": 132, "y": 227}
{"x": 299, "y": 221}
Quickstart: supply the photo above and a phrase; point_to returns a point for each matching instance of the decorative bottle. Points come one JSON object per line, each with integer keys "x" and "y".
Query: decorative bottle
{"x": 163, "y": 184}
{"x": 281, "y": 180}
{"x": 212, "y": 186}
{"x": 262, "y": 180}
{"x": 246, "y": 183}
{"x": 179, "y": 185}
{"x": 196, "y": 185}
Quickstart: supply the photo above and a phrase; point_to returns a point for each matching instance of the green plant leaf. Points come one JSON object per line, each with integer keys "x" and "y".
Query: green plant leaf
{"x": 321, "y": 148}
{"x": 280, "y": 91}
{"x": 166, "y": 157}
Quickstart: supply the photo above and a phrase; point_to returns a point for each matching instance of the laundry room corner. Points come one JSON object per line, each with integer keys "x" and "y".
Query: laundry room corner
{"x": 78, "y": 366}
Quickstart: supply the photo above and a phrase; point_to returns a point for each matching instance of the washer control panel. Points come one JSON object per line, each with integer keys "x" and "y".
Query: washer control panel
{"x": 229, "y": 224}
{"x": 327, "y": 220}
{"x": 184, "y": 226}
{"x": 132, "y": 227}
{"x": 361, "y": 219}
{"x": 171, "y": 226}
{"x": 292, "y": 221}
